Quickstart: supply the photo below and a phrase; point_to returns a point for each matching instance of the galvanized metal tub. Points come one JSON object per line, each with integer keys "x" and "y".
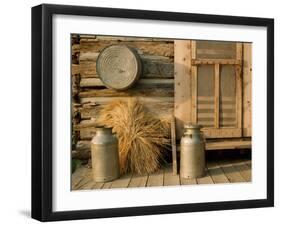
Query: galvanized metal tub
{"x": 119, "y": 67}
{"x": 105, "y": 155}
{"x": 192, "y": 153}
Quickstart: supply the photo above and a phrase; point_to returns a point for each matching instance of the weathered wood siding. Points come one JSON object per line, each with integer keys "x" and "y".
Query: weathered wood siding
{"x": 247, "y": 89}
{"x": 155, "y": 88}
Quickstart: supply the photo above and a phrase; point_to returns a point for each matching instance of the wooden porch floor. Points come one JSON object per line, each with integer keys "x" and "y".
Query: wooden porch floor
{"x": 234, "y": 171}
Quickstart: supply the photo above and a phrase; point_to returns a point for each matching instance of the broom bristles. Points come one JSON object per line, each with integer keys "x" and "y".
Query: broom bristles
{"x": 142, "y": 137}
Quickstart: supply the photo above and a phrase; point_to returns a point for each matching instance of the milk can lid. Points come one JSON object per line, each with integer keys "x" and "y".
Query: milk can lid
{"x": 192, "y": 126}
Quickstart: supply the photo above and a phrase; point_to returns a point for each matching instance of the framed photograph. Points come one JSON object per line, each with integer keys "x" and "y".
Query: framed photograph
{"x": 147, "y": 112}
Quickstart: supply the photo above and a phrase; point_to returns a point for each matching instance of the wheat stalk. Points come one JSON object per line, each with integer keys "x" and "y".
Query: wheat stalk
{"x": 142, "y": 137}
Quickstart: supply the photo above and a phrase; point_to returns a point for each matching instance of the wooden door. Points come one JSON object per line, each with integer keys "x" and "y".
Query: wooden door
{"x": 216, "y": 88}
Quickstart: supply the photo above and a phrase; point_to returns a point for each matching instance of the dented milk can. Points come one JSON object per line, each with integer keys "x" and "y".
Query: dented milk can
{"x": 105, "y": 156}
{"x": 192, "y": 152}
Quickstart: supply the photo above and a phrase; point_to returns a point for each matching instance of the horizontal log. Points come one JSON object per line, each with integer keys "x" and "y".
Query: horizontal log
{"x": 160, "y": 109}
{"x": 88, "y": 56}
{"x": 158, "y": 68}
{"x": 144, "y": 100}
{"x": 138, "y": 91}
{"x": 91, "y": 82}
{"x": 156, "y": 58}
{"x": 75, "y": 48}
{"x": 88, "y": 69}
{"x": 96, "y": 82}
{"x": 85, "y": 38}
{"x": 87, "y": 133}
{"x": 98, "y": 38}
{"x": 153, "y": 66}
{"x": 152, "y": 48}
{"x": 75, "y": 69}
{"x": 85, "y": 124}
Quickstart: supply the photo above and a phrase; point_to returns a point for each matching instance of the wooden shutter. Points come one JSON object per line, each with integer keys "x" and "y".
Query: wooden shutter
{"x": 216, "y": 88}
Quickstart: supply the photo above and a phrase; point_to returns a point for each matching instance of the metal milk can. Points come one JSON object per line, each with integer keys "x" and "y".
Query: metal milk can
{"x": 105, "y": 156}
{"x": 192, "y": 152}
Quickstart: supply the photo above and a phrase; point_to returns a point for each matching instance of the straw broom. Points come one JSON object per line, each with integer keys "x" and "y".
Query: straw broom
{"x": 142, "y": 137}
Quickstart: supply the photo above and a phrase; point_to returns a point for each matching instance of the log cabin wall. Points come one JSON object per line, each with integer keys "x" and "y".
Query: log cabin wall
{"x": 169, "y": 83}
{"x": 155, "y": 87}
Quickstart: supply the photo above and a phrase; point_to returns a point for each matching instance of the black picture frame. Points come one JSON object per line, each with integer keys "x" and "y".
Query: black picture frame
{"x": 42, "y": 111}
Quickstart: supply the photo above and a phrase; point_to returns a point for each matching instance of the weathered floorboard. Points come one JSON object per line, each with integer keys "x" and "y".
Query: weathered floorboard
{"x": 156, "y": 179}
{"x": 243, "y": 169}
{"x": 185, "y": 181}
{"x": 248, "y": 163}
{"x": 206, "y": 179}
{"x": 138, "y": 181}
{"x": 107, "y": 185}
{"x": 230, "y": 172}
{"x": 216, "y": 173}
{"x": 122, "y": 182}
{"x": 78, "y": 176}
{"x": 87, "y": 179}
{"x": 169, "y": 177}
{"x": 88, "y": 186}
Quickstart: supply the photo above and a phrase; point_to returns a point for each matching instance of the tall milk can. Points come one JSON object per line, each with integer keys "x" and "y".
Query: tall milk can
{"x": 192, "y": 152}
{"x": 105, "y": 156}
